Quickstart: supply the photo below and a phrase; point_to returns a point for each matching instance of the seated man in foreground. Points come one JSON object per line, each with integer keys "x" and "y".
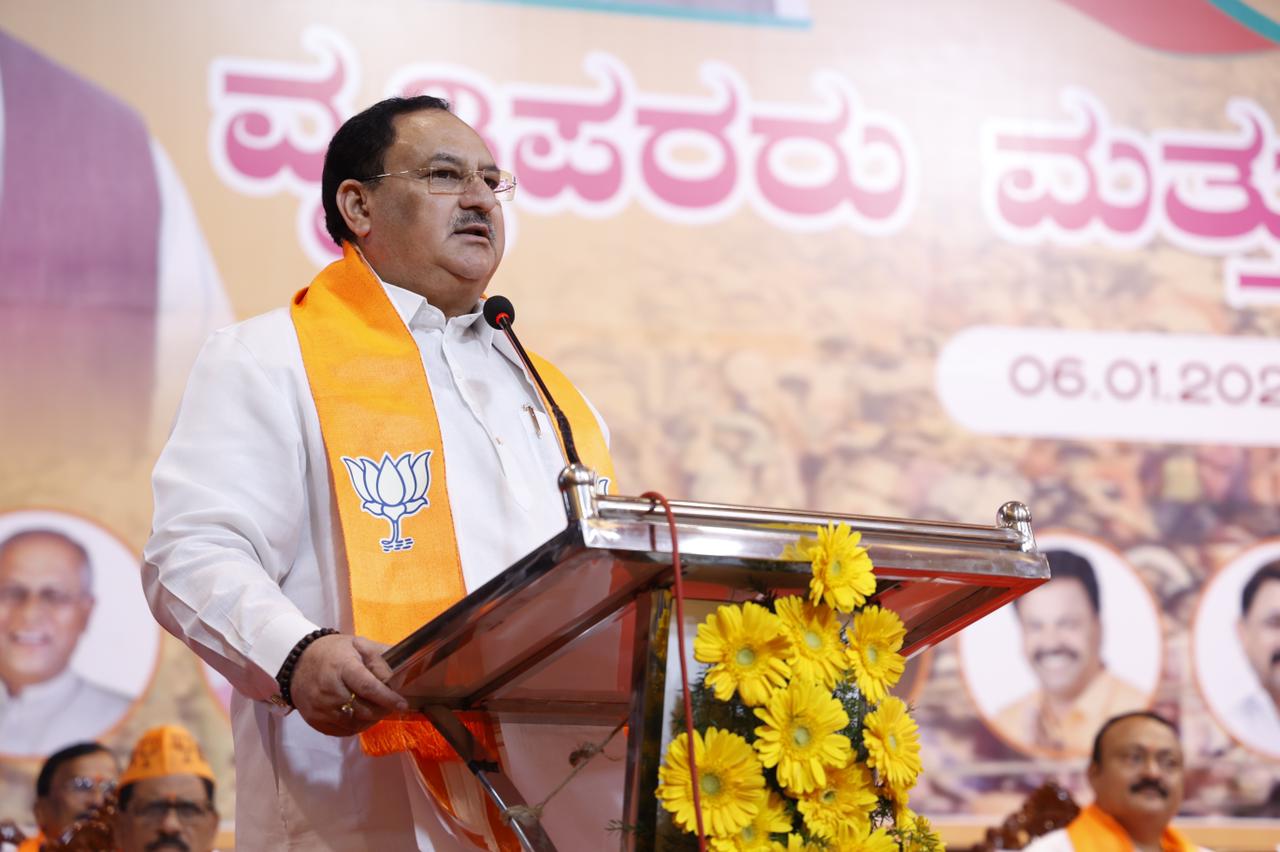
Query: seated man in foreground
{"x": 1137, "y": 777}
{"x": 71, "y": 785}
{"x": 166, "y": 795}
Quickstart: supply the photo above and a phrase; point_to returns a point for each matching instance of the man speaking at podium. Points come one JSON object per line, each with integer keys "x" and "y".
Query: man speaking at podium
{"x": 303, "y": 517}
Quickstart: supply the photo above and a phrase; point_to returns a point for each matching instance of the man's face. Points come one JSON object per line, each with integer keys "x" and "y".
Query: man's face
{"x": 78, "y": 786}
{"x": 1140, "y": 774}
{"x": 44, "y": 607}
{"x": 171, "y": 812}
{"x": 1061, "y": 636}
{"x": 1259, "y": 632}
{"x": 444, "y": 247}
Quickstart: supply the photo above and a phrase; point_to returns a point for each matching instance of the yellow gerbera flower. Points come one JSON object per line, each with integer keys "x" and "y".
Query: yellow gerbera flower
{"x": 875, "y": 638}
{"x": 796, "y": 843}
{"x": 839, "y": 808}
{"x": 817, "y": 651}
{"x": 748, "y": 650}
{"x": 799, "y": 735}
{"x": 755, "y": 837}
{"x": 866, "y": 840}
{"x": 893, "y": 743}
{"x": 730, "y": 781}
{"x": 842, "y": 572}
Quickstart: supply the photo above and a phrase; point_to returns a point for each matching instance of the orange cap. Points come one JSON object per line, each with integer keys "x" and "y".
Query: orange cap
{"x": 166, "y": 750}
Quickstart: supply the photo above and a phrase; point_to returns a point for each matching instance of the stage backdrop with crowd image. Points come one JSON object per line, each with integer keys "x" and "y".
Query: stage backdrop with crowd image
{"x": 904, "y": 259}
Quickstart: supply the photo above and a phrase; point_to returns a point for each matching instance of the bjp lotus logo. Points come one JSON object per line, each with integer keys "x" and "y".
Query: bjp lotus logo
{"x": 391, "y": 489}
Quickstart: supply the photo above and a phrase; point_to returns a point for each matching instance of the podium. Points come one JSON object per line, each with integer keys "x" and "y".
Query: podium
{"x": 577, "y": 630}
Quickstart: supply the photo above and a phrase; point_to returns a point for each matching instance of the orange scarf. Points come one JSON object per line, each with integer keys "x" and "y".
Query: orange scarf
{"x": 1097, "y": 831}
{"x": 387, "y": 466}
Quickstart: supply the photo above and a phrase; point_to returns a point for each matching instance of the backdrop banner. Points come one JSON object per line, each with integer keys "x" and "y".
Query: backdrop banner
{"x": 908, "y": 259}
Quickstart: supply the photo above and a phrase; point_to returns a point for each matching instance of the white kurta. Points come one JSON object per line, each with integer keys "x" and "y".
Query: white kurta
{"x": 245, "y": 557}
{"x": 1255, "y": 720}
{"x": 1059, "y": 841}
{"x": 63, "y": 710}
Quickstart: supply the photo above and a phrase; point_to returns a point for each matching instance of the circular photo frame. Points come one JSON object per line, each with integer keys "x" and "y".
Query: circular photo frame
{"x": 1223, "y": 675}
{"x": 116, "y": 652}
{"x": 998, "y": 676}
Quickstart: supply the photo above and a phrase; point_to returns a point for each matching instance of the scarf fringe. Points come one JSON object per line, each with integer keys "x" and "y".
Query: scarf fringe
{"x": 419, "y": 736}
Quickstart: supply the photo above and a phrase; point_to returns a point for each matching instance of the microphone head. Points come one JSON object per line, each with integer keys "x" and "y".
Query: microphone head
{"x": 498, "y": 308}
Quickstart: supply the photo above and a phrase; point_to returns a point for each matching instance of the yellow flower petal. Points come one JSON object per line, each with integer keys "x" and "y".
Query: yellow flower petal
{"x": 843, "y": 577}
{"x": 730, "y": 782}
{"x": 893, "y": 744}
{"x": 799, "y": 735}
{"x": 875, "y": 637}
{"x": 747, "y": 649}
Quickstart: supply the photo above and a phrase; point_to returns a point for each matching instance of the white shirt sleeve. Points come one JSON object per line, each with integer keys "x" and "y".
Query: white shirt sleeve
{"x": 230, "y": 507}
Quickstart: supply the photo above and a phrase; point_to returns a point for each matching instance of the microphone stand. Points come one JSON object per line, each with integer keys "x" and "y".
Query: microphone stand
{"x": 577, "y": 481}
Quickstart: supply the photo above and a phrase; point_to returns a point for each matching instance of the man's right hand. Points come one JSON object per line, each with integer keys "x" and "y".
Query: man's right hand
{"x": 336, "y": 672}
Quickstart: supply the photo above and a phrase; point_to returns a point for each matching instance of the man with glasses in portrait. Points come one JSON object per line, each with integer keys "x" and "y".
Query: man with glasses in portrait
{"x": 166, "y": 798}
{"x": 303, "y": 521}
{"x": 46, "y": 598}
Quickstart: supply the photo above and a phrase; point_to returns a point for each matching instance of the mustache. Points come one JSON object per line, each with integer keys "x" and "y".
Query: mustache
{"x": 168, "y": 841}
{"x": 1061, "y": 650}
{"x": 1149, "y": 784}
{"x": 467, "y": 218}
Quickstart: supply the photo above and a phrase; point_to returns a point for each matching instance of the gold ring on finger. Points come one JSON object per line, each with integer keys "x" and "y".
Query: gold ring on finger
{"x": 349, "y": 709}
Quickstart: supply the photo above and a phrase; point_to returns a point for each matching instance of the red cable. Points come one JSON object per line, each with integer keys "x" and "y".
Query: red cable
{"x": 684, "y": 672}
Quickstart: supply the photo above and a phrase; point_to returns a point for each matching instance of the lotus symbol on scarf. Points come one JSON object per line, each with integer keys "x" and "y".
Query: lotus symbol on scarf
{"x": 391, "y": 489}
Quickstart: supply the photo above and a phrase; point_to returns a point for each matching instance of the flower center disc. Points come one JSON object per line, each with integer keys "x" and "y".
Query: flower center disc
{"x": 745, "y": 656}
{"x": 872, "y": 654}
{"x": 748, "y": 834}
{"x": 710, "y": 784}
{"x": 813, "y": 640}
{"x": 893, "y": 742}
{"x": 835, "y": 568}
{"x": 801, "y": 736}
{"x": 828, "y": 797}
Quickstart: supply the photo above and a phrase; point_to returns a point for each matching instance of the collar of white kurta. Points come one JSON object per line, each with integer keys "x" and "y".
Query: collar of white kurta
{"x": 387, "y": 465}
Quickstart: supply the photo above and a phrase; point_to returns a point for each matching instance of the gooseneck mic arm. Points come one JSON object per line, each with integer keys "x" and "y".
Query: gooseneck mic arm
{"x": 500, "y": 313}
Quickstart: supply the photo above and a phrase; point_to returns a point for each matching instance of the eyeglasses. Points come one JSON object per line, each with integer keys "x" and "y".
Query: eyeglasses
{"x": 1136, "y": 758}
{"x": 18, "y": 597}
{"x": 446, "y": 180}
{"x": 85, "y": 784}
{"x": 187, "y": 812}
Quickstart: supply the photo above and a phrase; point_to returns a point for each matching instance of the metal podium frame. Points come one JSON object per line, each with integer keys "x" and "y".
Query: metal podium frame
{"x": 612, "y": 563}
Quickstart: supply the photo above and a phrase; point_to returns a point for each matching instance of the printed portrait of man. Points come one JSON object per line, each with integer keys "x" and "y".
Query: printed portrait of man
{"x": 46, "y": 599}
{"x": 1258, "y": 712}
{"x": 1062, "y": 636}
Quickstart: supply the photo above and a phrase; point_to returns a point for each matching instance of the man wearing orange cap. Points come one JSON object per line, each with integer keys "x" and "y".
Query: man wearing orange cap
{"x": 166, "y": 795}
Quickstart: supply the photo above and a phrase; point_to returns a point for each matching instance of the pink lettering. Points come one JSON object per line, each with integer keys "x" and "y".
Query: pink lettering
{"x": 672, "y": 124}
{"x": 865, "y": 163}
{"x": 555, "y": 155}
{"x": 1222, "y": 201}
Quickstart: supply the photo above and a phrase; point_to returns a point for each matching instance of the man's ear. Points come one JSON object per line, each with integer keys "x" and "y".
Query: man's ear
{"x": 41, "y": 811}
{"x": 353, "y": 204}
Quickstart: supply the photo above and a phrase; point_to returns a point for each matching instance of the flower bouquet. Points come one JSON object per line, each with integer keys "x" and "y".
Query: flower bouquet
{"x": 797, "y": 743}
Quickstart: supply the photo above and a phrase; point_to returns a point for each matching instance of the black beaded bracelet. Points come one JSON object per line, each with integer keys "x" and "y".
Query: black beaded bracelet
{"x": 285, "y": 677}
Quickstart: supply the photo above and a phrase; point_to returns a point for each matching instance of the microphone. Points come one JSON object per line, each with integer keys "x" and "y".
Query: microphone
{"x": 500, "y": 313}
